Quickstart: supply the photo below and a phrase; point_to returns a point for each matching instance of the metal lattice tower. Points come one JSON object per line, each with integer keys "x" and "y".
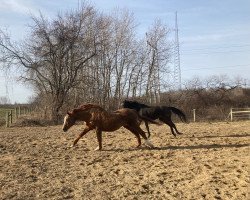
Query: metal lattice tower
{"x": 177, "y": 64}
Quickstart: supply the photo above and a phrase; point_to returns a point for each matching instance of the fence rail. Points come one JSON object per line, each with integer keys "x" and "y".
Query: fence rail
{"x": 10, "y": 115}
{"x": 239, "y": 113}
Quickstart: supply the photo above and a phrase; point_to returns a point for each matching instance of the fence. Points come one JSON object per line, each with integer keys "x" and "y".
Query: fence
{"x": 216, "y": 114}
{"x": 239, "y": 113}
{"x": 8, "y": 116}
{"x": 12, "y": 114}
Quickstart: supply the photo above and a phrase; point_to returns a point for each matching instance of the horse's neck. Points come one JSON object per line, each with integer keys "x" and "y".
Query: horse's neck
{"x": 139, "y": 106}
{"x": 144, "y": 106}
{"x": 82, "y": 115}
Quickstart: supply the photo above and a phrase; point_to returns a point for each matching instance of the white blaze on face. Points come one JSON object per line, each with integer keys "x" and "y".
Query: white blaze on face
{"x": 65, "y": 120}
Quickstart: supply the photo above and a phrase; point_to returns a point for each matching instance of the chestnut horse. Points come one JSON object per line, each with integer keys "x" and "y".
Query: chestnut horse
{"x": 99, "y": 119}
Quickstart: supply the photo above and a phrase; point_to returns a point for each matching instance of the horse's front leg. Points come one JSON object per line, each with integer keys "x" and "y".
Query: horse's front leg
{"x": 87, "y": 129}
{"x": 99, "y": 138}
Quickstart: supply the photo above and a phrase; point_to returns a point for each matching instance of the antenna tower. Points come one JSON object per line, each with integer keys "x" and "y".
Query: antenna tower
{"x": 177, "y": 64}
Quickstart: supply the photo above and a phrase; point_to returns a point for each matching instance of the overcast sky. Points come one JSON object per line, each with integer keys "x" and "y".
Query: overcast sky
{"x": 214, "y": 35}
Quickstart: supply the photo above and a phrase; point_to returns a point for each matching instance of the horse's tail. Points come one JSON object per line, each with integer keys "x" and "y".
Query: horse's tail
{"x": 148, "y": 119}
{"x": 180, "y": 114}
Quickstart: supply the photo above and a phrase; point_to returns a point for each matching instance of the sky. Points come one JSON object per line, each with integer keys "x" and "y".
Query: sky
{"x": 214, "y": 35}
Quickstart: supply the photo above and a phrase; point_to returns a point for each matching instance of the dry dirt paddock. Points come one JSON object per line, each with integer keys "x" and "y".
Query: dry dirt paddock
{"x": 209, "y": 161}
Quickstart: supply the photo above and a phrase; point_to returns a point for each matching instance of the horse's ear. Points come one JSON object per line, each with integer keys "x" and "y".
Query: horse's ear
{"x": 69, "y": 113}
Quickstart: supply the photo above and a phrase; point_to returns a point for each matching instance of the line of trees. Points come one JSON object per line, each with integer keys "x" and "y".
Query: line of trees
{"x": 87, "y": 56}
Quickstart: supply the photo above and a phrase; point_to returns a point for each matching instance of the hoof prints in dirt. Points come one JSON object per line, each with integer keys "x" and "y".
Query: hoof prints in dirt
{"x": 36, "y": 163}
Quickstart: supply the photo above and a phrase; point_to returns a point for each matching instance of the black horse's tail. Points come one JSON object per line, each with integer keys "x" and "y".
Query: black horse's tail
{"x": 178, "y": 112}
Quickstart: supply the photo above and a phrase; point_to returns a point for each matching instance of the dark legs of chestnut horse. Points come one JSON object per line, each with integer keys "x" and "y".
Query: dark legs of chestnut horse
{"x": 137, "y": 135}
{"x": 87, "y": 129}
{"x": 137, "y": 131}
{"x": 99, "y": 138}
{"x": 171, "y": 124}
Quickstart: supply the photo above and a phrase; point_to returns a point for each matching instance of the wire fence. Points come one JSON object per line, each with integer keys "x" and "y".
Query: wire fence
{"x": 10, "y": 115}
{"x": 216, "y": 114}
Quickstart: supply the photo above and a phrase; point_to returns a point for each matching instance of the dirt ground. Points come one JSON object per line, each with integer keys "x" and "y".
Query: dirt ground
{"x": 209, "y": 161}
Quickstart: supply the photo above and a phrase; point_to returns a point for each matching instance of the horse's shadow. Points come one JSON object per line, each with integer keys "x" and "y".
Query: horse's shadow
{"x": 186, "y": 147}
{"x": 201, "y": 146}
{"x": 219, "y": 136}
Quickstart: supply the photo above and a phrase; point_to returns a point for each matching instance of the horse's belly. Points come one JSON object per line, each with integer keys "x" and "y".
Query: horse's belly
{"x": 112, "y": 123}
{"x": 111, "y": 129}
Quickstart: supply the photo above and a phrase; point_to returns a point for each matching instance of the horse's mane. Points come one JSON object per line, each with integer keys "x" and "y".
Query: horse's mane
{"x": 87, "y": 107}
{"x": 135, "y": 103}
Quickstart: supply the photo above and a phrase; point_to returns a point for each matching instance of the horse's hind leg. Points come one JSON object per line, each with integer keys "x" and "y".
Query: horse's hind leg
{"x": 135, "y": 133}
{"x": 99, "y": 139}
{"x": 147, "y": 127}
{"x": 171, "y": 125}
{"x": 136, "y": 130}
{"x": 142, "y": 133}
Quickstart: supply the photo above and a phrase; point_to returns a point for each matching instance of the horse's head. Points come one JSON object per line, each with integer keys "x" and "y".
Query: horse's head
{"x": 69, "y": 120}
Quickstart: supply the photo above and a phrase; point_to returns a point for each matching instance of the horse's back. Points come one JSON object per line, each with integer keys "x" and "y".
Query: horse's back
{"x": 126, "y": 112}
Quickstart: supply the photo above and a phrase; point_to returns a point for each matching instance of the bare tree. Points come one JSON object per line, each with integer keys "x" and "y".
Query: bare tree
{"x": 54, "y": 54}
{"x": 158, "y": 55}
{"x": 83, "y": 56}
{"x": 123, "y": 45}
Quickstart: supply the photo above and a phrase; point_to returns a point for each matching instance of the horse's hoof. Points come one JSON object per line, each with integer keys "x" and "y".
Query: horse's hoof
{"x": 98, "y": 149}
{"x": 149, "y": 144}
{"x": 180, "y": 133}
{"x": 71, "y": 146}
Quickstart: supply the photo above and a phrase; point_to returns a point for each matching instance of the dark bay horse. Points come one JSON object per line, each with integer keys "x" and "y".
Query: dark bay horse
{"x": 99, "y": 119}
{"x": 163, "y": 113}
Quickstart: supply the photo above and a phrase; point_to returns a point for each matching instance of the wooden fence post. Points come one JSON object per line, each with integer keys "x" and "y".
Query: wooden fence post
{"x": 231, "y": 114}
{"x": 11, "y": 116}
{"x": 16, "y": 115}
{"x": 7, "y": 119}
{"x": 194, "y": 115}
